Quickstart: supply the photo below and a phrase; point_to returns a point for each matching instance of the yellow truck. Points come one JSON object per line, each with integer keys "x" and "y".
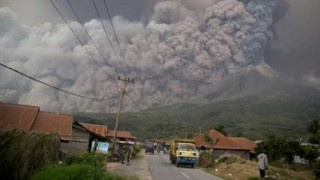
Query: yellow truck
{"x": 183, "y": 151}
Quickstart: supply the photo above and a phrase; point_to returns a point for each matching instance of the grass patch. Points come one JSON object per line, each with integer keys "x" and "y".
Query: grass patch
{"x": 74, "y": 172}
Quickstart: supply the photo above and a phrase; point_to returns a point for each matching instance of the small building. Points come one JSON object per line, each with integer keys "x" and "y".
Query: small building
{"x": 221, "y": 144}
{"x": 74, "y": 138}
{"x": 98, "y": 133}
{"x": 124, "y": 138}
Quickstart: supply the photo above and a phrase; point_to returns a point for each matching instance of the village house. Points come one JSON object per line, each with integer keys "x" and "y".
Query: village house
{"x": 98, "y": 133}
{"x": 124, "y": 138}
{"x": 74, "y": 138}
{"x": 221, "y": 144}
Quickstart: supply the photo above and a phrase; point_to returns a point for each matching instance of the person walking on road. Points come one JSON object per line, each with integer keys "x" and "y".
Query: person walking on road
{"x": 122, "y": 154}
{"x": 128, "y": 155}
{"x": 262, "y": 164}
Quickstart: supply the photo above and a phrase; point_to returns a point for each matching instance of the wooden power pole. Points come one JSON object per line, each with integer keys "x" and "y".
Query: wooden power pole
{"x": 125, "y": 82}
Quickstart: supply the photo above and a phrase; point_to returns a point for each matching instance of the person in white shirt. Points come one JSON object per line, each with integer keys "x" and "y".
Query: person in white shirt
{"x": 262, "y": 164}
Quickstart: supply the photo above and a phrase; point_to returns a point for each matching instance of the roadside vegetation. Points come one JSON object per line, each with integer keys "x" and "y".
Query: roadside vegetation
{"x": 36, "y": 156}
{"x": 86, "y": 166}
{"x": 22, "y": 154}
{"x": 281, "y": 152}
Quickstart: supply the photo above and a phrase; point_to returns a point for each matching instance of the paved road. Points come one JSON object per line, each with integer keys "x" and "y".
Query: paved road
{"x": 161, "y": 169}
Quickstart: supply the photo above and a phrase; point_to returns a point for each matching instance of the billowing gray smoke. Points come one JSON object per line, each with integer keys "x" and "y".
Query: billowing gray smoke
{"x": 184, "y": 50}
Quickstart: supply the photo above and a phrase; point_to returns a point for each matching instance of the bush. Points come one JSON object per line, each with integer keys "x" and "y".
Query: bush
{"x": 229, "y": 159}
{"x": 23, "y": 153}
{"x": 97, "y": 160}
{"x": 316, "y": 170}
{"x": 206, "y": 160}
{"x": 73, "y": 172}
{"x": 135, "y": 150}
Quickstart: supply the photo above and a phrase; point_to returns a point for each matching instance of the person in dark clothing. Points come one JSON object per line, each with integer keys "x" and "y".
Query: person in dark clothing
{"x": 122, "y": 154}
{"x": 128, "y": 156}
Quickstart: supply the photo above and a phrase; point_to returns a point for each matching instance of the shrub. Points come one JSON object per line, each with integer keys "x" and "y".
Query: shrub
{"x": 206, "y": 159}
{"x": 95, "y": 160}
{"x": 229, "y": 159}
{"x": 135, "y": 150}
{"x": 316, "y": 170}
{"x": 23, "y": 153}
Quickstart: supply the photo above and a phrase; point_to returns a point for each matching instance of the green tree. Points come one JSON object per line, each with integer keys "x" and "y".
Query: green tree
{"x": 315, "y": 138}
{"x": 290, "y": 148}
{"x": 313, "y": 126}
{"x": 314, "y": 129}
{"x": 310, "y": 153}
{"x": 273, "y": 146}
{"x": 278, "y": 148}
{"x": 221, "y": 129}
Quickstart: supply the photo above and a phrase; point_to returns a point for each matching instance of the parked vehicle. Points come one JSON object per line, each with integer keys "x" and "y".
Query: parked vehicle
{"x": 149, "y": 148}
{"x": 183, "y": 151}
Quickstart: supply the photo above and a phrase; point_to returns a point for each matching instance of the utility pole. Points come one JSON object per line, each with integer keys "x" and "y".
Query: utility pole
{"x": 125, "y": 82}
{"x": 109, "y": 109}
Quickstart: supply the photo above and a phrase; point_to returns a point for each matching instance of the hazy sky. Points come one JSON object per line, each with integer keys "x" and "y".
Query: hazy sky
{"x": 176, "y": 50}
{"x": 296, "y": 46}
{"x": 38, "y": 11}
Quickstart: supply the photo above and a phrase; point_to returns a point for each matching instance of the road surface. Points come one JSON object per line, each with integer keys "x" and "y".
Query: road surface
{"x": 161, "y": 168}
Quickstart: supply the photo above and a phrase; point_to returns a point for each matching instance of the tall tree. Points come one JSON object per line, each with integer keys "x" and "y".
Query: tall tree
{"x": 221, "y": 129}
{"x": 313, "y": 126}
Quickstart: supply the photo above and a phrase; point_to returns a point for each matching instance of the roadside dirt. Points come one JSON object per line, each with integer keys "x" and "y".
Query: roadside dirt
{"x": 138, "y": 168}
{"x": 241, "y": 169}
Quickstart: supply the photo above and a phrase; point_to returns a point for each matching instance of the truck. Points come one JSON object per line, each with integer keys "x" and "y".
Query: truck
{"x": 183, "y": 152}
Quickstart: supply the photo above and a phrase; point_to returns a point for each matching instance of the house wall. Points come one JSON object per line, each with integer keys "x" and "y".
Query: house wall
{"x": 78, "y": 144}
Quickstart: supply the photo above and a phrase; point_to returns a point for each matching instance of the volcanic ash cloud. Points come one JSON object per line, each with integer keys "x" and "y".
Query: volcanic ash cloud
{"x": 182, "y": 52}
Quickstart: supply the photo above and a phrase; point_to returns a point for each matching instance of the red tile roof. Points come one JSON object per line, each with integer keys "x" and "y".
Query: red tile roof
{"x": 29, "y": 118}
{"x": 13, "y": 116}
{"x": 96, "y": 129}
{"x": 223, "y": 142}
{"x": 51, "y": 122}
{"x": 244, "y": 143}
{"x": 121, "y": 134}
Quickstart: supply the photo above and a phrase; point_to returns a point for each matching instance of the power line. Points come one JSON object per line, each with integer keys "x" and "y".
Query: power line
{"x": 54, "y": 87}
{"x": 105, "y": 31}
{"x": 115, "y": 34}
{"x": 140, "y": 109}
{"x": 81, "y": 23}
{"x": 82, "y": 44}
{"x": 133, "y": 101}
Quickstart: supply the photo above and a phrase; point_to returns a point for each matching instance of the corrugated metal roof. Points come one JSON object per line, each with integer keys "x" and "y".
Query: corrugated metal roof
{"x": 223, "y": 142}
{"x": 51, "y": 122}
{"x": 14, "y": 116}
{"x": 96, "y": 129}
{"x": 121, "y": 134}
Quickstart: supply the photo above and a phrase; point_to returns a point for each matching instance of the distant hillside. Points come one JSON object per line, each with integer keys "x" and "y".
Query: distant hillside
{"x": 251, "y": 103}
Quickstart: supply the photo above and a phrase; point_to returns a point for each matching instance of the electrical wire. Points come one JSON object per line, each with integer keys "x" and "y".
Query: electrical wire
{"x": 54, "y": 87}
{"x": 115, "y": 34}
{"x": 82, "y": 44}
{"x": 133, "y": 101}
{"x": 81, "y": 23}
{"x": 106, "y": 33}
